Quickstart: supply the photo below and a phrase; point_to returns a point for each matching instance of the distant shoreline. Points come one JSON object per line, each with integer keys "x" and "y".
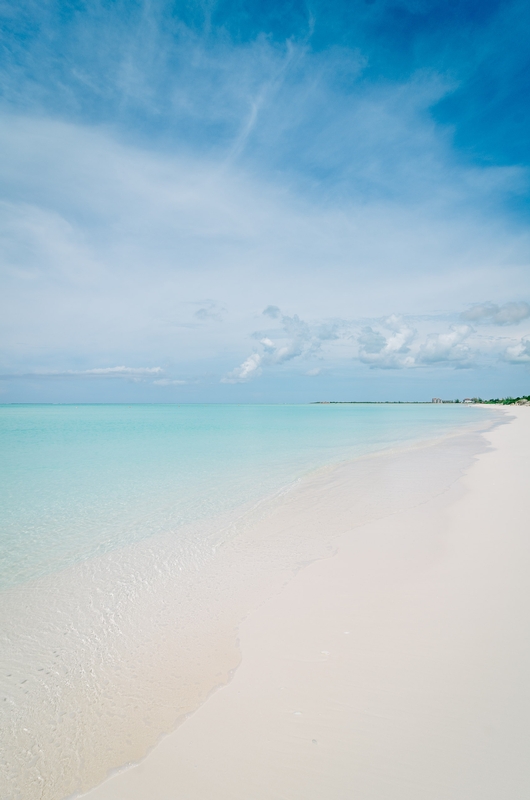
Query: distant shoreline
{"x": 387, "y": 402}
{"x": 473, "y": 401}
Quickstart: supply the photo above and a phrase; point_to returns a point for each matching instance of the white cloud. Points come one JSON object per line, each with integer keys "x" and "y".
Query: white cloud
{"x": 394, "y": 343}
{"x": 449, "y": 346}
{"x": 294, "y": 339}
{"x": 165, "y": 164}
{"x": 387, "y": 352}
{"x": 490, "y": 313}
{"x": 250, "y": 368}
{"x": 518, "y": 353}
{"x": 106, "y": 246}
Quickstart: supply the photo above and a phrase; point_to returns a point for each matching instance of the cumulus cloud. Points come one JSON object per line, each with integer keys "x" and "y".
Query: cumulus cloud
{"x": 490, "y": 313}
{"x": 449, "y": 346}
{"x": 398, "y": 346}
{"x": 387, "y": 352}
{"x": 295, "y": 338}
{"x": 395, "y": 342}
{"x": 518, "y": 353}
{"x": 250, "y": 368}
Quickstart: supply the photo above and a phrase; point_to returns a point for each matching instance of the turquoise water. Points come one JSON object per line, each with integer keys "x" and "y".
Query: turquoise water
{"x": 78, "y": 481}
{"x": 134, "y": 541}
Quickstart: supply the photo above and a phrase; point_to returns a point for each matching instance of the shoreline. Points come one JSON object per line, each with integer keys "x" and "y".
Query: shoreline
{"x": 292, "y": 703}
{"x": 166, "y": 648}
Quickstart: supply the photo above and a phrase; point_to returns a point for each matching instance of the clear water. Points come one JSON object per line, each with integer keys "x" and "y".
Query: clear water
{"x": 79, "y": 481}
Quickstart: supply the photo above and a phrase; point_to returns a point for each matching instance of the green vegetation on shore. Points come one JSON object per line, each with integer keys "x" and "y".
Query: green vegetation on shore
{"x": 504, "y": 401}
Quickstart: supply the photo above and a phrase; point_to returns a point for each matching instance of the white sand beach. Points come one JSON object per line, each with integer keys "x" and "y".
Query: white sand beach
{"x": 396, "y": 669}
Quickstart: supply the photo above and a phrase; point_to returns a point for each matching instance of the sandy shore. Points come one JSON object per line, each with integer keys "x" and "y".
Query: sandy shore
{"x": 398, "y": 669}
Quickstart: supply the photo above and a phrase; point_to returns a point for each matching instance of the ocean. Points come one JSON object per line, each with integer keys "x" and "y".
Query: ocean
{"x": 122, "y": 549}
{"x": 78, "y": 481}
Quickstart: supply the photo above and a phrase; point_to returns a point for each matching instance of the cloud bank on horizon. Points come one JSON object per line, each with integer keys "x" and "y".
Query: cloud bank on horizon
{"x": 358, "y": 170}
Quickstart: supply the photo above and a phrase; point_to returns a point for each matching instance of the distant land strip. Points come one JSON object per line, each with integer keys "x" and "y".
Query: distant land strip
{"x": 504, "y": 401}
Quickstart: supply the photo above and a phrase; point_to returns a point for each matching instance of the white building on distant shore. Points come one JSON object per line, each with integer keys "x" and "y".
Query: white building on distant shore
{"x": 437, "y": 400}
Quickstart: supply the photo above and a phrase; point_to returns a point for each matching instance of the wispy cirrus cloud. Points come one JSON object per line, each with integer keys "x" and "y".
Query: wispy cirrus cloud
{"x": 150, "y": 158}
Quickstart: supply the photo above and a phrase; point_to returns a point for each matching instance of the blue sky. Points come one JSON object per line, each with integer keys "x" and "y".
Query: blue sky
{"x": 264, "y": 202}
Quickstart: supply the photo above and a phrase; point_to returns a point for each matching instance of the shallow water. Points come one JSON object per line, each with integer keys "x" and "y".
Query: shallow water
{"x": 137, "y": 537}
{"x": 78, "y": 481}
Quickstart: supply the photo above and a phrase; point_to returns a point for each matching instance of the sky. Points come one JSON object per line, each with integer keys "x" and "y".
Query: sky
{"x": 264, "y": 201}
